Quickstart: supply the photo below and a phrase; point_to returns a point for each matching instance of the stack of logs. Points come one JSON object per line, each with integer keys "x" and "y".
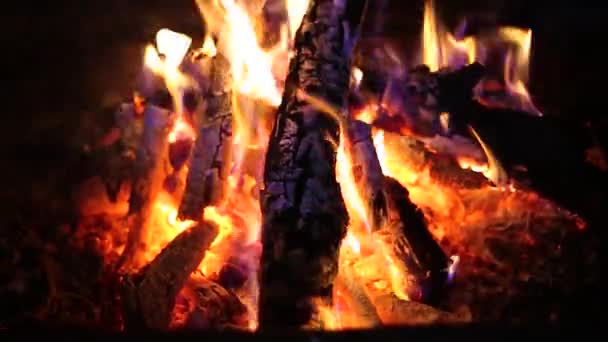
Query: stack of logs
{"x": 304, "y": 215}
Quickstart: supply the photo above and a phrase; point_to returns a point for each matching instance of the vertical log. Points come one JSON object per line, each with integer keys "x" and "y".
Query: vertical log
{"x": 147, "y": 181}
{"x": 304, "y": 216}
{"x": 210, "y": 163}
{"x": 367, "y": 171}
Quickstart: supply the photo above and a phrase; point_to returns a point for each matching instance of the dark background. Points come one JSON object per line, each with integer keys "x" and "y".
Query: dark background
{"x": 67, "y": 61}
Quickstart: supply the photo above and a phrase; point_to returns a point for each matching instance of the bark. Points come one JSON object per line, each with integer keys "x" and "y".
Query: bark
{"x": 150, "y": 295}
{"x": 412, "y": 247}
{"x": 210, "y": 162}
{"x": 367, "y": 172}
{"x": 147, "y": 181}
{"x": 304, "y": 216}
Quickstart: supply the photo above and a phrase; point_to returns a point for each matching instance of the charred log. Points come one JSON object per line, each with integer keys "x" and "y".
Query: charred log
{"x": 427, "y": 94}
{"x": 147, "y": 180}
{"x": 210, "y": 162}
{"x": 215, "y": 307}
{"x": 395, "y": 311}
{"x": 149, "y": 296}
{"x": 304, "y": 216}
{"x": 366, "y": 170}
{"x": 412, "y": 247}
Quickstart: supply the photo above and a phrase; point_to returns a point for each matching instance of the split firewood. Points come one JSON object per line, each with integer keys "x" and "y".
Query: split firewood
{"x": 304, "y": 215}
{"x": 149, "y": 295}
{"x": 147, "y": 180}
{"x": 411, "y": 246}
{"x": 210, "y": 161}
{"x": 366, "y": 170}
{"x": 360, "y": 303}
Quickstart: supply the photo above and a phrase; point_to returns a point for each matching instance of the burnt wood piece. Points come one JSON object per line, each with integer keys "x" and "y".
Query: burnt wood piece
{"x": 395, "y": 311}
{"x": 304, "y": 216}
{"x": 360, "y": 303}
{"x": 147, "y": 181}
{"x": 215, "y": 307}
{"x": 210, "y": 162}
{"x": 443, "y": 167}
{"x": 149, "y": 295}
{"x": 412, "y": 247}
{"x": 366, "y": 170}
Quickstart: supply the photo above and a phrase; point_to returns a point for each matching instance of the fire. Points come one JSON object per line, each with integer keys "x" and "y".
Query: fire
{"x": 252, "y": 67}
{"x": 296, "y": 10}
{"x": 256, "y": 86}
{"x": 164, "y": 225}
{"x": 209, "y": 48}
{"x": 442, "y": 49}
{"x": 174, "y": 46}
{"x": 181, "y": 130}
{"x": 355, "y": 205}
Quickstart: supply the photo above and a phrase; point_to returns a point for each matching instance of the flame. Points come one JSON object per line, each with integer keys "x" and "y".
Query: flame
{"x": 357, "y": 76}
{"x": 251, "y": 66}
{"x": 442, "y": 49}
{"x": 181, "y": 130}
{"x": 356, "y": 204}
{"x": 152, "y": 60}
{"x": 353, "y": 243}
{"x": 164, "y": 225}
{"x": 209, "y": 48}
{"x": 296, "y": 9}
{"x": 256, "y": 90}
{"x": 173, "y": 45}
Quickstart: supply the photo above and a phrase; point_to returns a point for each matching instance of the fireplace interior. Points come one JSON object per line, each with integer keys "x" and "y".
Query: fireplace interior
{"x": 333, "y": 167}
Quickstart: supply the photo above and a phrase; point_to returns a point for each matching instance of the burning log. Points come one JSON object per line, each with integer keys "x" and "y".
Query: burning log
{"x": 147, "y": 180}
{"x": 304, "y": 215}
{"x": 215, "y": 308}
{"x": 412, "y": 247}
{"x": 366, "y": 170}
{"x": 210, "y": 161}
{"x": 443, "y": 167}
{"x": 360, "y": 302}
{"x": 149, "y": 296}
{"x": 395, "y": 311}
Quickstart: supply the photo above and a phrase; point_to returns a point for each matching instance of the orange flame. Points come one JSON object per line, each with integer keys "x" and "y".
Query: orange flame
{"x": 440, "y": 49}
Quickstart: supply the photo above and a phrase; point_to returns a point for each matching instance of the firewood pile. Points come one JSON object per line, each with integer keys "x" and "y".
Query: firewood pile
{"x": 246, "y": 187}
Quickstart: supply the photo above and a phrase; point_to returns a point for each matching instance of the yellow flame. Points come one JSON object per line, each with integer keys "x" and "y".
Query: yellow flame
{"x": 357, "y": 75}
{"x": 352, "y": 242}
{"x": 152, "y": 61}
{"x": 209, "y": 48}
{"x": 431, "y": 43}
{"x": 296, "y": 9}
{"x": 181, "y": 129}
{"x": 173, "y": 45}
{"x": 251, "y": 66}
{"x": 495, "y": 171}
